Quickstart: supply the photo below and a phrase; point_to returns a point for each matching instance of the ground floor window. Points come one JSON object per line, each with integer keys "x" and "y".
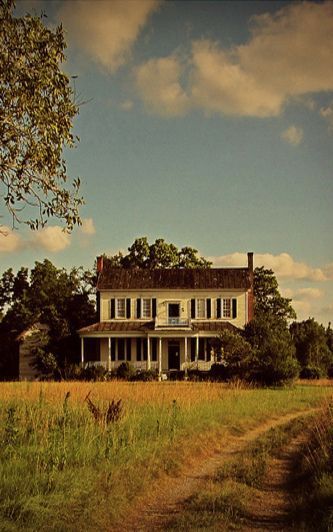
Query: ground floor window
{"x": 121, "y": 349}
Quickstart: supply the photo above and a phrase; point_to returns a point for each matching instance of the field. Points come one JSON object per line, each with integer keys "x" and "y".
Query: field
{"x": 65, "y": 467}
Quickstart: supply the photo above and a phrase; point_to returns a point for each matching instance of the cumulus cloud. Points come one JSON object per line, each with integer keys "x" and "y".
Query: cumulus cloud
{"x": 288, "y": 56}
{"x": 293, "y": 135}
{"x": 88, "y": 226}
{"x": 104, "y": 30}
{"x": 303, "y": 293}
{"x": 10, "y": 241}
{"x": 158, "y": 82}
{"x": 51, "y": 239}
{"x": 283, "y": 265}
{"x": 327, "y": 113}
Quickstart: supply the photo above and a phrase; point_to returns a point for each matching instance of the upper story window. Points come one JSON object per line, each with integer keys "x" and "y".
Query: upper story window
{"x": 146, "y": 308}
{"x": 200, "y": 308}
{"x": 226, "y": 308}
{"x": 121, "y": 308}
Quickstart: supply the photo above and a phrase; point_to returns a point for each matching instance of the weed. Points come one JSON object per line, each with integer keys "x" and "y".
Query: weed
{"x": 112, "y": 414}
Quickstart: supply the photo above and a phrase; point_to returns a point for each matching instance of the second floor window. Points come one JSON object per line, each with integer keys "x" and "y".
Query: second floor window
{"x": 226, "y": 308}
{"x": 121, "y": 308}
{"x": 146, "y": 308}
{"x": 201, "y": 308}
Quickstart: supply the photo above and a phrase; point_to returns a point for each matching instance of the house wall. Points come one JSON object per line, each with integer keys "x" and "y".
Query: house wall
{"x": 177, "y": 296}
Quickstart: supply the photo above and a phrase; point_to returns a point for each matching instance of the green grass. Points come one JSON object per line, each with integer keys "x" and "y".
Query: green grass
{"x": 60, "y": 470}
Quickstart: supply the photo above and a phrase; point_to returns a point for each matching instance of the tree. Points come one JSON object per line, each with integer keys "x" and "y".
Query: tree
{"x": 268, "y": 300}
{"x": 51, "y": 296}
{"x": 36, "y": 112}
{"x": 312, "y": 349}
{"x": 160, "y": 254}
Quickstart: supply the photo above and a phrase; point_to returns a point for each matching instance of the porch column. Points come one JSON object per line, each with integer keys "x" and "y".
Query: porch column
{"x": 196, "y": 349}
{"x": 82, "y": 351}
{"x": 148, "y": 354}
{"x": 160, "y": 358}
{"x": 109, "y": 353}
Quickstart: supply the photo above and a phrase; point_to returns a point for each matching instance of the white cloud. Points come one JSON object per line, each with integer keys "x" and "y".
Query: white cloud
{"x": 51, "y": 239}
{"x": 327, "y": 113}
{"x": 283, "y": 265}
{"x": 10, "y": 241}
{"x": 289, "y": 55}
{"x": 293, "y": 135}
{"x": 303, "y": 293}
{"x": 88, "y": 226}
{"x": 106, "y": 30}
{"x": 158, "y": 82}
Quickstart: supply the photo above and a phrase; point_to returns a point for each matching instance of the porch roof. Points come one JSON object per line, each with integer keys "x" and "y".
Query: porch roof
{"x": 145, "y": 326}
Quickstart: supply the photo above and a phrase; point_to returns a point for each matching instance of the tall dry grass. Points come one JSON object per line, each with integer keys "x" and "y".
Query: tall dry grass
{"x": 62, "y": 470}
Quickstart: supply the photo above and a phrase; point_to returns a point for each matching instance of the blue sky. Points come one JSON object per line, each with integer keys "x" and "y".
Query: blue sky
{"x": 208, "y": 124}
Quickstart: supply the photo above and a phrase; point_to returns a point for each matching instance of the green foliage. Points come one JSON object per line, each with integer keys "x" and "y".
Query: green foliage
{"x": 311, "y": 341}
{"x": 37, "y": 109}
{"x": 273, "y": 360}
{"x": 51, "y": 296}
{"x": 160, "y": 254}
{"x": 268, "y": 300}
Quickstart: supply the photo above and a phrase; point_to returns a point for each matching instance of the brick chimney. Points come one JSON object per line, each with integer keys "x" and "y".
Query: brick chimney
{"x": 250, "y": 261}
{"x": 100, "y": 264}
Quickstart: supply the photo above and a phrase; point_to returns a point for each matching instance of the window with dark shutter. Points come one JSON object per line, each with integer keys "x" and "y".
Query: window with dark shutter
{"x": 138, "y": 349}
{"x": 154, "y": 349}
{"x": 112, "y": 309}
{"x": 218, "y": 308}
{"x": 192, "y": 308}
{"x": 193, "y": 346}
{"x": 138, "y": 308}
{"x": 154, "y": 307}
{"x": 234, "y": 308}
{"x": 128, "y": 308}
{"x": 208, "y": 308}
{"x": 128, "y": 349}
{"x": 113, "y": 349}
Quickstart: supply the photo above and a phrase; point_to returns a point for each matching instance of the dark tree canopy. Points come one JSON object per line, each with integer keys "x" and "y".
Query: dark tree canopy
{"x": 312, "y": 343}
{"x": 268, "y": 300}
{"x": 47, "y": 295}
{"x": 160, "y": 254}
{"x": 37, "y": 109}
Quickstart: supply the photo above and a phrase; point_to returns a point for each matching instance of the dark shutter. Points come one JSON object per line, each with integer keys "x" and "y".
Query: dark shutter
{"x": 193, "y": 308}
{"x": 128, "y": 308}
{"x": 193, "y": 346}
{"x": 145, "y": 349}
{"x": 138, "y": 349}
{"x": 234, "y": 308}
{"x": 154, "y": 349}
{"x": 154, "y": 307}
{"x": 208, "y": 308}
{"x": 138, "y": 308}
{"x": 201, "y": 349}
{"x": 218, "y": 308}
{"x": 128, "y": 349}
{"x": 113, "y": 349}
{"x": 121, "y": 348}
{"x": 112, "y": 309}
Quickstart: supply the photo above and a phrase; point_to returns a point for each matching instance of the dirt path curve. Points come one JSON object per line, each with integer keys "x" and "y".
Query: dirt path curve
{"x": 156, "y": 509}
{"x": 271, "y": 508}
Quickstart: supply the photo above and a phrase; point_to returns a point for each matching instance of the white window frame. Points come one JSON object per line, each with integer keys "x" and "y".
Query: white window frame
{"x": 223, "y": 309}
{"x": 197, "y": 308}
{"x": 147, "y": 315}
{"x": 117, "y": 314}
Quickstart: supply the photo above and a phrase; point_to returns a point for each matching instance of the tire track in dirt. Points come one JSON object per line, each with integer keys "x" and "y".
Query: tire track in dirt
{"x": 155, "y": 510}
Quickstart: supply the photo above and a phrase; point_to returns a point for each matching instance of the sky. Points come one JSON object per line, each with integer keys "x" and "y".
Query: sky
{"x": 208, "y": 124}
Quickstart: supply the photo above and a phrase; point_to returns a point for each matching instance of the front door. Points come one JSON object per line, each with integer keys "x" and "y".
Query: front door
{"x": 174, "y": 355}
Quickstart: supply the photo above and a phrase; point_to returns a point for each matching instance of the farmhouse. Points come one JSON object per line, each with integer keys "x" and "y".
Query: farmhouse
{"x": 165, "y": 319}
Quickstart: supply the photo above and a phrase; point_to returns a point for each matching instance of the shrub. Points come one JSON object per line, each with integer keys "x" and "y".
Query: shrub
{"x": 310, "y": 372}
{"x": 125, "y": 371}
{"x": 145, "y": 375}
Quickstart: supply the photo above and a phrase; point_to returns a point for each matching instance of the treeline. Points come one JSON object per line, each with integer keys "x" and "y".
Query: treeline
{"x": 273, "y": 348}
